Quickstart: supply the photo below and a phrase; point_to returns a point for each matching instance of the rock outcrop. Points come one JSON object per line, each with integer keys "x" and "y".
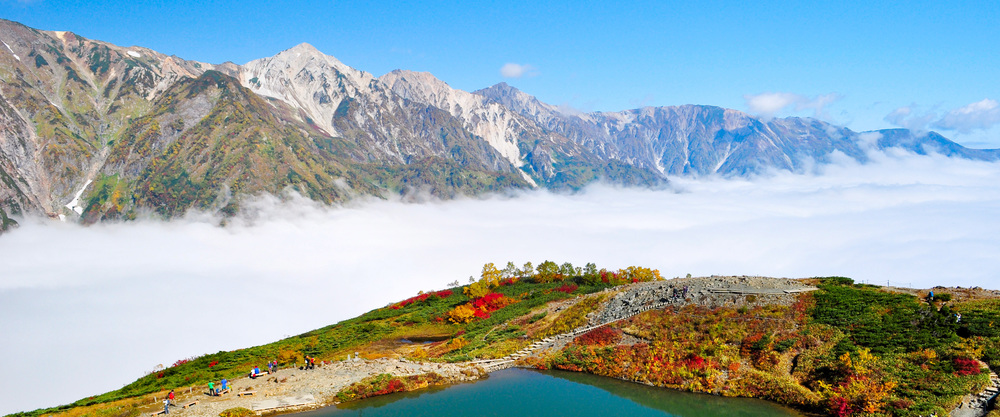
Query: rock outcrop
{"x": 713, "y": 291}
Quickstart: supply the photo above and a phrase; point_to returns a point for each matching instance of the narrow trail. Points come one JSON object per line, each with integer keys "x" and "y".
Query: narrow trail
{"x": 979, "y": 404}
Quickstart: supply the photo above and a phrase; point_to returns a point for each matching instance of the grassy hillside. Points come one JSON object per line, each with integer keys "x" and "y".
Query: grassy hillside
{"x": 843, "y": 350}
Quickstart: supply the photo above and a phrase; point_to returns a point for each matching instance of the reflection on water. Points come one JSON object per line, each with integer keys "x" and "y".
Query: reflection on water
{"x": 519, "y": 392}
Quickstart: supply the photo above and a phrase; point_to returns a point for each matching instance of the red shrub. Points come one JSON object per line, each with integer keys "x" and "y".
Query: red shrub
{"x": 695, "y": 362}
{"x": 180, "y": 362}
{"x": 610, "y": 278}
{"x": 159, "y": 375}
{"x": 568, "y": 288}
{"x": 213, "y": 364}
{"x": 966, "y": 366}
{"x": 489, "y": 302}
{"x": 840, "y": 407}
{"x": 601, "y": 336}
{"x": 394, "y": 386}
{"x": 421, "y": 297}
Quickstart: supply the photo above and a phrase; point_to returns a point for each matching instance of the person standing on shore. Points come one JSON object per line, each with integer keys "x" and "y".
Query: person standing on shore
{"x": 211, "y": 388}
{"x": 170, "y": 398}
{"x": 166, "y": 406}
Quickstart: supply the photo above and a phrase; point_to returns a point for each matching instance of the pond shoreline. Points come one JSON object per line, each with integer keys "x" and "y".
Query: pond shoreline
{"x": 537, "y": 388}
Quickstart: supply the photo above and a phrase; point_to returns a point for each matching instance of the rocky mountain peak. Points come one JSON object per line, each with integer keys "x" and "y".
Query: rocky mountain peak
{"x": 521, "y": 102}
{"x": 305, "y": 47}
{"x": 83, "y": 120}
{"x": 423, "y": 87}
{"x": 308, "y": 80}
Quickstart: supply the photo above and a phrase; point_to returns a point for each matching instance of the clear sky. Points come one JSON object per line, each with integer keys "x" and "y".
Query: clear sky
{"x": 864, "y": 64}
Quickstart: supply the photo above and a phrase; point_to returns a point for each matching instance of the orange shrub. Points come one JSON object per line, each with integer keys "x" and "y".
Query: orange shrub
{"x": 462, "y": 314}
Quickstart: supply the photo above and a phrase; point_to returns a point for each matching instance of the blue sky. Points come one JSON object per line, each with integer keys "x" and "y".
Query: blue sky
{"x": 866, "y": 64}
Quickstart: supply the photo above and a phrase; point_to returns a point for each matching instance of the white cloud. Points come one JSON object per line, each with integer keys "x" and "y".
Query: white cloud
{"x": 907, "y": 117}
{"x": 767, "y": 104}
{"x": 770, "y": 104}
{"x": 123, "y": 298}
{"x": 512, "y": 70}
{"x": 979, "y": 115}
{"x": 869, "y": 140}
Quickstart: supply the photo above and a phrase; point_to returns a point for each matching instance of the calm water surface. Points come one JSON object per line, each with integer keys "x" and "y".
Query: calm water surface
{"x": 519, "y": 392}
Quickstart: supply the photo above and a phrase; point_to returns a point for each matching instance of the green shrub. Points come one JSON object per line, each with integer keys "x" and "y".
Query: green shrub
{"x": 236, "y": 412}
{"x": 837, "y": 281}
{"x": 883, "y": 321}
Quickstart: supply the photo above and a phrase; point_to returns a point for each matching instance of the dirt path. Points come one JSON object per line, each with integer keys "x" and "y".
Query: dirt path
{"x": 295, "y": 390}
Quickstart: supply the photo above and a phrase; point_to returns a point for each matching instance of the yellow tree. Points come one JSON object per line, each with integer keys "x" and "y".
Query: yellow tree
{"x": 477, "y": 289}
{"x": 491, "y": 275}
{"x": 462, "y": 314}
{"x": 638, "y": 273}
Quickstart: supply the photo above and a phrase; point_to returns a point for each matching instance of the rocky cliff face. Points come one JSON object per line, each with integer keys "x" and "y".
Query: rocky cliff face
{"x": 97, "y": 131}
{"x": 63, "y": 97}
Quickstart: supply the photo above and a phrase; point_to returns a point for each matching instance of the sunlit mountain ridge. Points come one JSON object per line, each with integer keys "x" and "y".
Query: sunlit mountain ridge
{"x": 95, "y": 131}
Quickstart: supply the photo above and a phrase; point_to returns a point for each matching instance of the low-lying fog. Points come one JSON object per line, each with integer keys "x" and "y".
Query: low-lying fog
{"x": 85, "y": 310}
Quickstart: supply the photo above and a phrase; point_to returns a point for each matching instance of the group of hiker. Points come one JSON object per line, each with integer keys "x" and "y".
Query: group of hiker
{"x": 272, "y": 367}
{"x": 167, "y": 402}
{"x": 223, "y": 387}
{"x": 678, "y": 295}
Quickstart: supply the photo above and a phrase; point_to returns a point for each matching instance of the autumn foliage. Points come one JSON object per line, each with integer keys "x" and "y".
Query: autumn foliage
{"x": 568, "y": 288}
{"x": 479, "y": 308}
{"x": 966, "y": 366}
{"x": 421, "y": 298}
{"x": 863, "y": 390}
{"x": 601, "y": 336}
{"x": 387, "y": 384}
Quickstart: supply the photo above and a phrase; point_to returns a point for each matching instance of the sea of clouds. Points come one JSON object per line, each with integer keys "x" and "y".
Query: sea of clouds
{"x": 85, "y": 310}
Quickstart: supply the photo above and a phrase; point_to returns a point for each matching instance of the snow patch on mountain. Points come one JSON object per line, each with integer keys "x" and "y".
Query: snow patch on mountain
{"x": 11, "y": 51}
{"x": 75, "y": 203}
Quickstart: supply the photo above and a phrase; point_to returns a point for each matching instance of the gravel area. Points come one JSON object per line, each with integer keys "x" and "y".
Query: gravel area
{"x": 294, "y": 386}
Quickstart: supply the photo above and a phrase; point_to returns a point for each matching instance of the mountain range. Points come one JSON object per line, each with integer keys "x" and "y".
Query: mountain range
{"x": 95, "y": 131}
